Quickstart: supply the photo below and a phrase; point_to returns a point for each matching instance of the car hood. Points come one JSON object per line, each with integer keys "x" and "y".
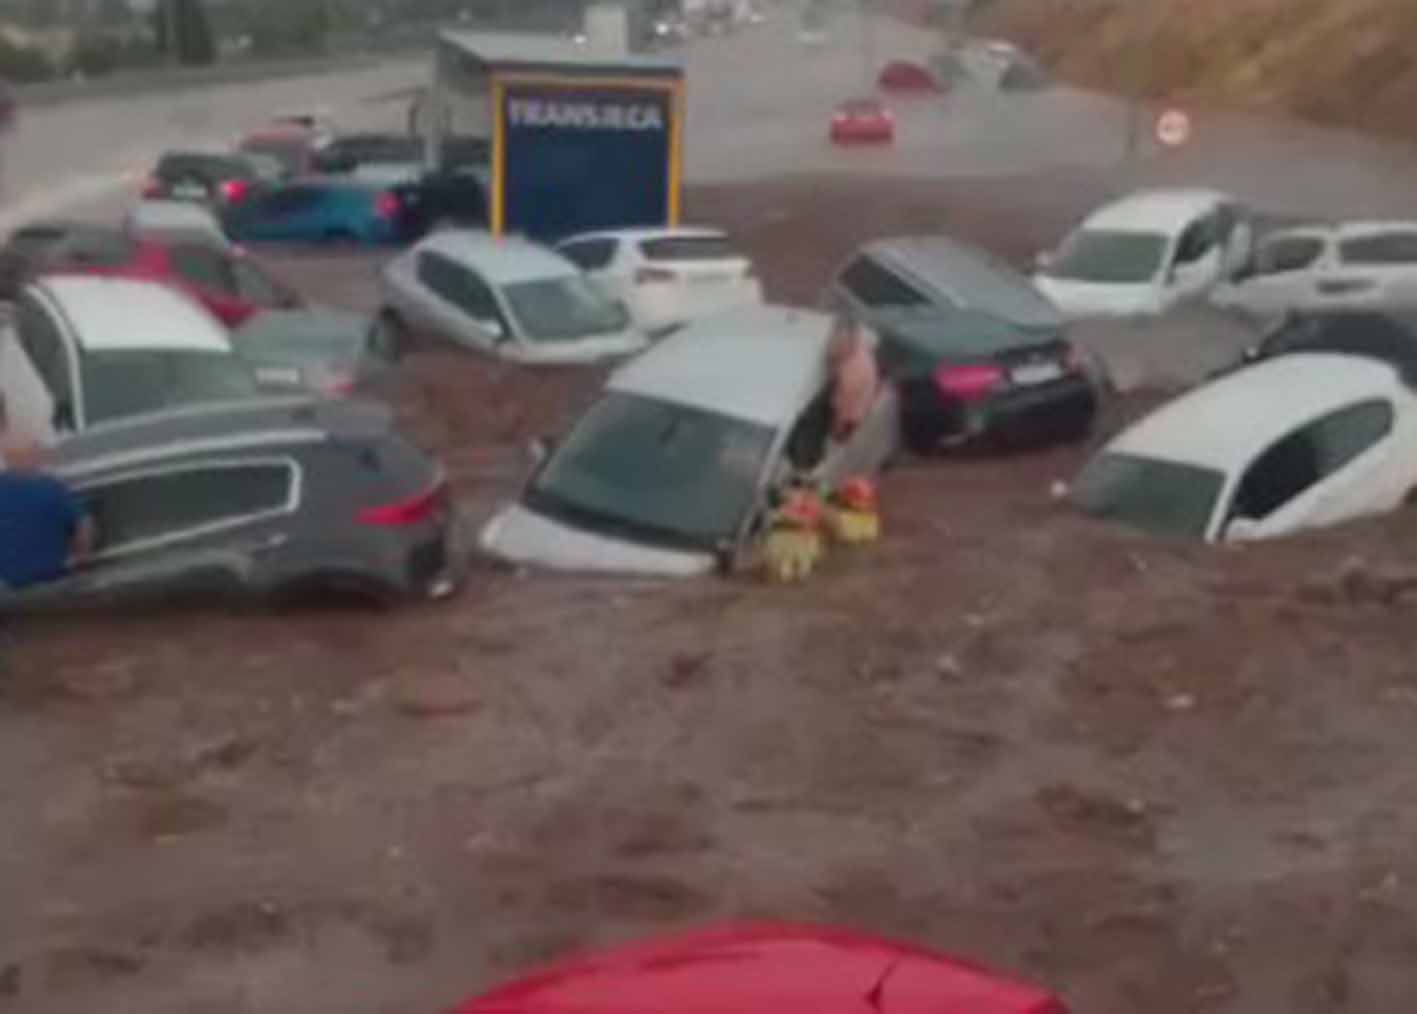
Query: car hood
{"x": 761, "y": 969}
{"x": 1076, "y": 299}
{"x": 576, "y": 350}
{"x": 520, "y": 535}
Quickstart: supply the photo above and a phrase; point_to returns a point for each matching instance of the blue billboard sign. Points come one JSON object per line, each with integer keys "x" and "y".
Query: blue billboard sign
{"x": 577, "y": 157}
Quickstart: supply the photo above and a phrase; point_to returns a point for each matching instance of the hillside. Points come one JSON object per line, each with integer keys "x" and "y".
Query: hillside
{"x": 1350, "y": 62}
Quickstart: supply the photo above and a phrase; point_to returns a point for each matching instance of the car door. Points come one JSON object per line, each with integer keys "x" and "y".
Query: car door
{"x": 173, "y": 527}
{"x": 280, "y": 215}
{"x": 1279, "y": 277}
{"x": 1331, "y": 469}
{"x": 207, "y": 273}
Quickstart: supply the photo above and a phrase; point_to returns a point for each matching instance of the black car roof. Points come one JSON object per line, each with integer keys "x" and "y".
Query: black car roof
{"x": 224, "y": 426}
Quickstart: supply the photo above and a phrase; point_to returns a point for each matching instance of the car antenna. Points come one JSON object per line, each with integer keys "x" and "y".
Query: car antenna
{"x": 874, "y": 994}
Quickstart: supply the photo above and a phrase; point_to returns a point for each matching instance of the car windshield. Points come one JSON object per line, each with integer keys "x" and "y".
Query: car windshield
{"x": 1101, "y": 255}
{"x": 655, "y": 471}
{"x": 1161, "y": 497}
{"x": 134, "y": 381}
{"x": 276, "y": 338}
{"x": 558, "y": 309}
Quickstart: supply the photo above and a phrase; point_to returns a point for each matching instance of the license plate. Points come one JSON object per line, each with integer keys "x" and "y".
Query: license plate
{"x": 189, "y": 190}
{"x": 278, "y": 375}
{"x": 1036, "y": 373}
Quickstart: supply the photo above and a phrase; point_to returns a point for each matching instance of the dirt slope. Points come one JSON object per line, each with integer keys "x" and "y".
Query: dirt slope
{"x": 1351, "y": 62}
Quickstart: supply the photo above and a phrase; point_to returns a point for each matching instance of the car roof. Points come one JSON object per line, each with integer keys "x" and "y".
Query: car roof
{"x": 757, "y": 363}
{"x": 968, "y": 277}
{"x": 121, "y": 313}
{"x": 1227, "y": 423}
{"x": 1166, "y": 210}
{"x": 502, "y": 260}
{"x": 212, "y": 426}
{"x": 652, "y": 232}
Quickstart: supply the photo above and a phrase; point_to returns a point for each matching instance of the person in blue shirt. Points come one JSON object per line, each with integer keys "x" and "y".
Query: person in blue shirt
{"x": 43, "y": 528}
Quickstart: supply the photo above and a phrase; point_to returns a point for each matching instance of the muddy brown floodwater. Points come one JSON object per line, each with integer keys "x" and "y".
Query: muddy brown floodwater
{"x": 1157, "y": 777}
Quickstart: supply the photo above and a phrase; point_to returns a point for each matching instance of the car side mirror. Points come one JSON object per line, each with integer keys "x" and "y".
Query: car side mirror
{"x": 540, "y": 448}
{"x": 1242, "y": 530}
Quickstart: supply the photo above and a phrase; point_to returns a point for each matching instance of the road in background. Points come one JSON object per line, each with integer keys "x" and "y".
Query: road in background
{"x": 759, "y": 102}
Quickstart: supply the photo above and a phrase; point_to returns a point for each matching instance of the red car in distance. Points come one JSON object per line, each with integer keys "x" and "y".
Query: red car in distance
{"x": 764, "y": 968}
{"x": 862, "y": 121}
{"x": 905, "y": 76}
{"x": 228, "y": 282}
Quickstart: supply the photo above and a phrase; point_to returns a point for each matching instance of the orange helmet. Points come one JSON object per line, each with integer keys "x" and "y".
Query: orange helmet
{"x": 800, "y": 508}
{"x": 858, "y": 493}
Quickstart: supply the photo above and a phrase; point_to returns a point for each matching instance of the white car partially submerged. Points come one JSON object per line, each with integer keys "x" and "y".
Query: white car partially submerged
{"x": 670, "y": 472}
{"x": 666, "y": 276}
{"x": 506, "y": 297}
{"x": 1350, "y": 266}
{"x": 1295, "y": 442}
{"x": 1146, "y": 253}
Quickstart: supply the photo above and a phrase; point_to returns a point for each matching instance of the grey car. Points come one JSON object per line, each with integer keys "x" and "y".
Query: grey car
{"x": 974, "y": 348}
{"x": 266, "y": 498}
{"x": 325, "y": 350}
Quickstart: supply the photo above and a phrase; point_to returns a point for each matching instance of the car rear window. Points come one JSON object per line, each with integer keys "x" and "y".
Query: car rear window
{"x": 878, "y": 288}
{"x": 688, "y": 248}
{"x": 1383, "y": 248}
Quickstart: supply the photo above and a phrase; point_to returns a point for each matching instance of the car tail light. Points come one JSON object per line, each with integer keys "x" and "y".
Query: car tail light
{"x": 233, "y": 190}
{"x": 152, "y": 187}
{"x": 386, "y": 205}
{"x": 409, "y": 511}
{"x": 968, "y": 383}
{"x": 646, "y": 276}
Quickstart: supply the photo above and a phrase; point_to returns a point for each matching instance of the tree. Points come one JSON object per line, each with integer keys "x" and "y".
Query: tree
{"x": 186, "y": 20}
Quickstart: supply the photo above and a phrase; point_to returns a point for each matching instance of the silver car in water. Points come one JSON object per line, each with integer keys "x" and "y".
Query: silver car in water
{"x": 672, "y": 471}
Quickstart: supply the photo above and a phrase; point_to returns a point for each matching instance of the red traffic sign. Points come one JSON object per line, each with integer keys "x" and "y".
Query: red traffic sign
{"x": 1173, "y": 128}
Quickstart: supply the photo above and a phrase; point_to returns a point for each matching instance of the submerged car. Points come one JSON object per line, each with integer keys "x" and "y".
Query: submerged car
{"x": 334, "y": 352}
{"x": 83, "y": 351}
{"x": 320, "y": 209}
{"x": 666, "y": 276}
{"x": 764, "y": 968}
{"x": 1294, "y": 442}
{"x": 975, "y": 350}
{"x": 40, "y": 246}
{"x": 1386, "y": 337}
{"x": 1354, "y": 266}
{"x": 506, "y": 297}
{"x": 1146, "y": 253}
{"x": 266, "y": 498}
{"x": 671, "y": 471}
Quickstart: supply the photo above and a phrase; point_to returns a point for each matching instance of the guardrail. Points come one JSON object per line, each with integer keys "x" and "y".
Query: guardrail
{"x": 128, "y": 83}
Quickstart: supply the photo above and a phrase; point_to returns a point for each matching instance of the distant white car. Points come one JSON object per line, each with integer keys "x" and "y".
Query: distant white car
{"x": 1298, "y": 441}
{"x": 667, "y": 277}
{"x": 506, "y": 297}
{"x": 168, "y": 220}
{"x": 670, "y": 472}
{"x": 1146, "y": 253}
{"x": 1355, "y": 265}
